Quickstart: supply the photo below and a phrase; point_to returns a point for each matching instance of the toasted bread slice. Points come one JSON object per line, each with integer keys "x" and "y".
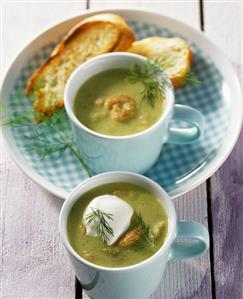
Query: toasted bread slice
{"x": 91, "y": 37}
{"x": 174, "y": 54}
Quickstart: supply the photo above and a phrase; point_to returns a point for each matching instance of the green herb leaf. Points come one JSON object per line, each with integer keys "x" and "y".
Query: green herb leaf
{"x": 191, "y": 80}
{"x": 45, "y": 136}
{"x": 103, "y": 229}
{"x": 144, "y": 229}
{"x": 153, "y": 78}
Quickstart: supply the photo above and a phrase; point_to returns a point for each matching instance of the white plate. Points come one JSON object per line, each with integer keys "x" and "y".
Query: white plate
{"x": 180, "y": 168}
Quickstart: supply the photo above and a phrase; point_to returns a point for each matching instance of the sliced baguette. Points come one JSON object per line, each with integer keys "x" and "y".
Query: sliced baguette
{"x": 173, "y": 53}
{"x": 93, "y": 36}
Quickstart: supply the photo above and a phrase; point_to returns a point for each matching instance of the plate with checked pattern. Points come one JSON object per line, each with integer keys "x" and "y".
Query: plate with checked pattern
{"x": 180, "y": 168}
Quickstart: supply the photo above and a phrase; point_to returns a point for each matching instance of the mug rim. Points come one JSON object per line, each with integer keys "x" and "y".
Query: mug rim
{"x": 79, "y": 69}
{"x": 70, "y": 201}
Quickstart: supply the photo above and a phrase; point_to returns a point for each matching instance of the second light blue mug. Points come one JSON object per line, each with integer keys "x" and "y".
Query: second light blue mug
{"x": 136, "y": 152}
{"x": 140, "y": 280}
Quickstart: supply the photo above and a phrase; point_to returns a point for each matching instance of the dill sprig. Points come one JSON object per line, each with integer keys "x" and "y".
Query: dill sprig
{"x": 170, "y": 62}
{"x": 144, "y": 229}
{"x": 44, "y": 136}
{"x": 103, "y": 228}
{"x": 153, "y": 78}
{"x": 191, "y": 79}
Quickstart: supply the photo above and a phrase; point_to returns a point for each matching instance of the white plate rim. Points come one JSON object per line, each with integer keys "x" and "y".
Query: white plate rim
{"x": 200, "y": 38}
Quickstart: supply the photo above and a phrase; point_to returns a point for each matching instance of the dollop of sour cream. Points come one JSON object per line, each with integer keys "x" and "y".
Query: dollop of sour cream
{"x": 121, "y": 214}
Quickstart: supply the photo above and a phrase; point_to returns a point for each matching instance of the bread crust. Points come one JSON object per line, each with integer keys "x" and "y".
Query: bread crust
{"x": 168, "y": 48}
{"x": 97, "y": 29}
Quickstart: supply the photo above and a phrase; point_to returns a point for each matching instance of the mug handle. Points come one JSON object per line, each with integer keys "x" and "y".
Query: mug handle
{"x": 195, "y": 247}
{"x": 186, "y": 135}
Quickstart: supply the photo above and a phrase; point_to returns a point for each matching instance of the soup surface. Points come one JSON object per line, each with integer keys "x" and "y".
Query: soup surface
{"x": 143, "y": 203}
{"x": 109, "y": 104}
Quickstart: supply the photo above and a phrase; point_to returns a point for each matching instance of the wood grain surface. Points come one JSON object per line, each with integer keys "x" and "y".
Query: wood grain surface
{"x": 223, "y": 24}
{"x": 34, "y": 263}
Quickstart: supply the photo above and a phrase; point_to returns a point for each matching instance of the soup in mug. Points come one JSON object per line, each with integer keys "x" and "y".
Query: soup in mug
{"x": 117, "y": 225}
{"x": 110, "y": 104}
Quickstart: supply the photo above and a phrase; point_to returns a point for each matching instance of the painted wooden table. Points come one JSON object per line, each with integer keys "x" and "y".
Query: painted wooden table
{"x": 34, "y": 263}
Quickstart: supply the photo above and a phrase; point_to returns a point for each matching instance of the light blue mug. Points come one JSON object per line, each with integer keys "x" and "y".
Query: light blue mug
{"x": 140, "y": 280}
{"x": 136, "y": 152}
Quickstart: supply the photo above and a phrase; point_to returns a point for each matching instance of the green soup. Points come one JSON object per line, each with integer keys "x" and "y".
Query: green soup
{"x": 109, "y": 104}
{"x": 143, "y": 203}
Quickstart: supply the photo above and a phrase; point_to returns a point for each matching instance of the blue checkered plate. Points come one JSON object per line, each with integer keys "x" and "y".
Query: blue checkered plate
{"x": 180, "y": 168}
